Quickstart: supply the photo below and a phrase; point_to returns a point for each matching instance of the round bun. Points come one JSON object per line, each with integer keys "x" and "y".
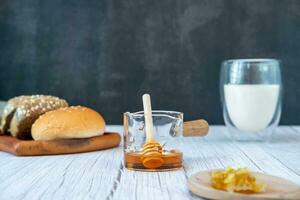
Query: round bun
{"x": 69, "y": 122}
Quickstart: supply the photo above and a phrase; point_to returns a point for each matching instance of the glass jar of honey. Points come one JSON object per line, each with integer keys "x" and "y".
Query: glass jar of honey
{"x": 167, "y": 130}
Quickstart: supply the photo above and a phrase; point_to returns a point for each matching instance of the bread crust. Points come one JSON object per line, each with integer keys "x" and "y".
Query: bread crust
{"x": 69, "y": 122}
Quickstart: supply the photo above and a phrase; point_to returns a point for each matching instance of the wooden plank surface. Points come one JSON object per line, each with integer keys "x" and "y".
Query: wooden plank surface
{"x": 101, "y": 175}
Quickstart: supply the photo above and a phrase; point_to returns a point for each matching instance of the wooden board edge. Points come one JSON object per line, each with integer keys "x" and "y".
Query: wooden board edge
{"x": 64, "y": 146}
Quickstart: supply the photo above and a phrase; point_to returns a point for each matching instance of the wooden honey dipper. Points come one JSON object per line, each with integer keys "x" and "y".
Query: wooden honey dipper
{"x": 152, "y": 150}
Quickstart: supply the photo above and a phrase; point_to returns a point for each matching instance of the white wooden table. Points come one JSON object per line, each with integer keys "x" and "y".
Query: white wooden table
{"x": 101, "y": 175}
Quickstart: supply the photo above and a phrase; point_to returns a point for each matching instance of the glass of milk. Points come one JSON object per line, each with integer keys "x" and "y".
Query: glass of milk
{"x": 251, "y": 92}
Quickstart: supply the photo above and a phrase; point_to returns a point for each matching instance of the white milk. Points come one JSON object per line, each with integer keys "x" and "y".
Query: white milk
{"x": 251, "y": 107}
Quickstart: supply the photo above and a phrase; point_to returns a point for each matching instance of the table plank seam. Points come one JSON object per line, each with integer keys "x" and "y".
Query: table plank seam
{"x": 187, "y": 177}
{"x": 285, "y": 165}
{"x": 64, "y": 174}
{"x": 248, "y": 157}
{"x": 91, "y": 166}
{"x": 38, "y": 178}
{"x": 161, "y": 186}
{"x": 280, "y": 164}
{"x": 116, "y": 182}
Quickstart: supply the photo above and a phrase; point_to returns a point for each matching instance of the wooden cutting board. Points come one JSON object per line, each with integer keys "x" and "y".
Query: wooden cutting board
{"x": 65, "y": 146}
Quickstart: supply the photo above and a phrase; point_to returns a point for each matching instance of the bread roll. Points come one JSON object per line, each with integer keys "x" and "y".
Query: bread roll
{"x": 22, "y": 111}
{"x": 70, "y": 122}
{"x": 9, "y": 111}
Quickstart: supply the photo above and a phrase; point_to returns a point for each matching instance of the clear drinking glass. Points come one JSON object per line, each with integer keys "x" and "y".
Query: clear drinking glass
{"x": 251, "y": 93}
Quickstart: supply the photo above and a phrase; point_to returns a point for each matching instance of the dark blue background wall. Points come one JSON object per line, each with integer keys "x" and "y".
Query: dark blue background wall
{"x": 106, "y": 53}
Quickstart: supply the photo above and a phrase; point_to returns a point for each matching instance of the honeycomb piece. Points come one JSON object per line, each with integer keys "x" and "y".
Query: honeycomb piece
{"x": 236, "y": 180}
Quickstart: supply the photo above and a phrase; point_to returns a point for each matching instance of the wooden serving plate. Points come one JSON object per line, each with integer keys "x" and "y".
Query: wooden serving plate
{"x": 277, "y": 188}
{"x": 65, "y": 146}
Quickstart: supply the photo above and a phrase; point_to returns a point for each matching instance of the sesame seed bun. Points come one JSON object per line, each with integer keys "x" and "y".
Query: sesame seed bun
{"x": 69, "y": 122}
